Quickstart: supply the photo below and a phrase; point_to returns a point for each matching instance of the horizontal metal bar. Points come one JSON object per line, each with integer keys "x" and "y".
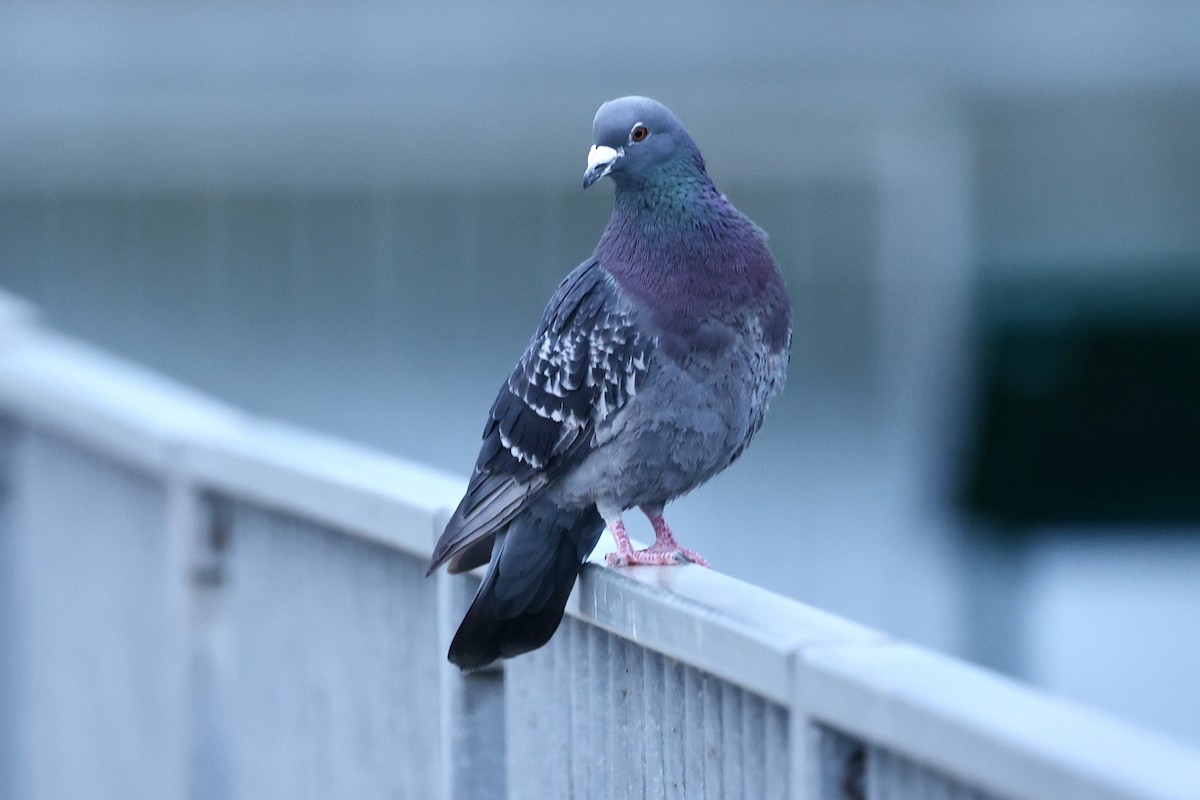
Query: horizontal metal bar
{"x": 349, "y": 488}
{"x": 128, "y": 413}
{"x": 986, "y": 730}
{"x": 732, "y": 629}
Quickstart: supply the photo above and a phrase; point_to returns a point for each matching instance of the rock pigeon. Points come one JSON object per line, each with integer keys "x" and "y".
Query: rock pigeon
{"x": 650, "y": 372}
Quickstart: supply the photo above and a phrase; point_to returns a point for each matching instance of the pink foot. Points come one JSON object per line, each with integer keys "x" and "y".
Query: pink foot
{"x": 655, "y": 558}
{"x": 664, "y": 552}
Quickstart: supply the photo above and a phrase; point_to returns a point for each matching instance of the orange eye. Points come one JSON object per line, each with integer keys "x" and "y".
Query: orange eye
{"x": 638, "y": 133}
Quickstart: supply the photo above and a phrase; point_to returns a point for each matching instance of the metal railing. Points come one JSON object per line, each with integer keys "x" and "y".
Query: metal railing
{"x": 197, "y": 603}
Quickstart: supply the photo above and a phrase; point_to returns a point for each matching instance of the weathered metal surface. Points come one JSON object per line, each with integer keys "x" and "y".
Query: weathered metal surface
{"x": 98, "y": 688}
{"x": 593, "y": 715}
{"x": 889, "y": 776}
{"x": 328, "y": 665}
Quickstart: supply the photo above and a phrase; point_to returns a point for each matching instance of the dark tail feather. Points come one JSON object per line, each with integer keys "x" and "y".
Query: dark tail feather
{"x": 521, "y": 600}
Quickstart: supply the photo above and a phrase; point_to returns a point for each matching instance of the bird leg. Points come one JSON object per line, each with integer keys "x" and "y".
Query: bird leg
{"x": 664, "y": 540}
{"x": 664, "y": 552}
{"x": 625, "y": 551}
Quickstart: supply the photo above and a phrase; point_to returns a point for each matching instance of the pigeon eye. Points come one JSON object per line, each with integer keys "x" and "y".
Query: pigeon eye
{"x": 638, "y": 133}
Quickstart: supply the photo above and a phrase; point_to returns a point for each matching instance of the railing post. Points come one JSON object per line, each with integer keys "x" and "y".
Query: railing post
{"x": 799, "y": 750}
{"x": 825, "y": 764}
{"x": 8, "y": 600}
{"x": 182, "y": 523}
{"x": 197, "y": 534}
{"x": 472, "y": 724}
{"x": 804, "y": 740}
{"x": 17, "y": 318}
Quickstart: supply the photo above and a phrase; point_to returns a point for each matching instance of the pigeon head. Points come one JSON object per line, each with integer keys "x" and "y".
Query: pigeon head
{"x": 637, "y": 140}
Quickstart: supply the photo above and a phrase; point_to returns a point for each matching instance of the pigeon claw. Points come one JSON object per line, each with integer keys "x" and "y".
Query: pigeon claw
{"x": 695, "y": 558}
{"x": 665, "y": 551}
{"x": 651, "y": 557}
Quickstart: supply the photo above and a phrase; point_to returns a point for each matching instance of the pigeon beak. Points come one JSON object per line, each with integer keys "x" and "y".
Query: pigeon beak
{"x": 600, "y": 162}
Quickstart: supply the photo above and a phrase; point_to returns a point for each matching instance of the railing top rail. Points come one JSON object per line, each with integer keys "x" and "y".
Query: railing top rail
{"x": 363, "y": 492}
{"x": 988, "y": 730}
{"x": 128, "y": 413}
{"x": 735, "y": 630}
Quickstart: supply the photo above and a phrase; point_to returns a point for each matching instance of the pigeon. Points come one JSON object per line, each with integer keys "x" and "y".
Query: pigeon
{"x": 650, "y": 372}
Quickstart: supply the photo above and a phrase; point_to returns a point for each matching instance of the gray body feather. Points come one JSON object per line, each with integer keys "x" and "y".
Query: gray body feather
{"x": 690, "y": 420}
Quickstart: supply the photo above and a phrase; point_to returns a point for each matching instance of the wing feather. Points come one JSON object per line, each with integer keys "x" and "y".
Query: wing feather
{"x": 585, "y": 362}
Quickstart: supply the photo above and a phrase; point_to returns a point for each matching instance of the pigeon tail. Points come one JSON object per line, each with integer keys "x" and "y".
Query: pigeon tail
{"x": 521, "y": 601}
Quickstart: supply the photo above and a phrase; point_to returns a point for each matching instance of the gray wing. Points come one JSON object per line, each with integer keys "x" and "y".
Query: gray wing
{"x": 585, "y": 362}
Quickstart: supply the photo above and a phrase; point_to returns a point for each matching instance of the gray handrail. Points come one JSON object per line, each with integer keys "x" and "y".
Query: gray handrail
{"x": 975, "y": 728}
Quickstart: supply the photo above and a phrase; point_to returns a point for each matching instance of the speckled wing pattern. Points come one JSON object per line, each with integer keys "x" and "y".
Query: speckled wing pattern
{"x": 587, "y": 359}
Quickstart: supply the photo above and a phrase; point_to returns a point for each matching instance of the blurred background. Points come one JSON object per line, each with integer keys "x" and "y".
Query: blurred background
{"x": 349, "y": 215}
